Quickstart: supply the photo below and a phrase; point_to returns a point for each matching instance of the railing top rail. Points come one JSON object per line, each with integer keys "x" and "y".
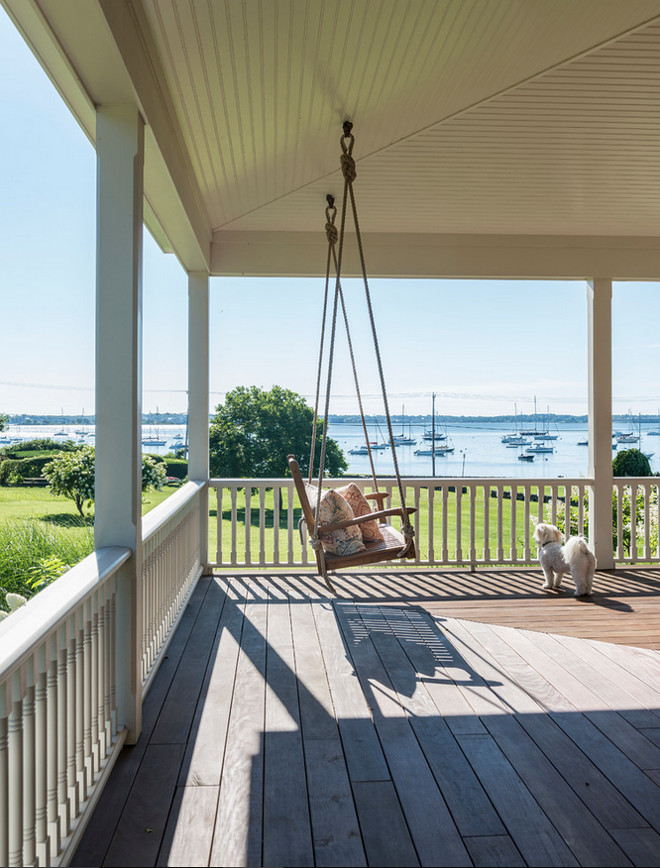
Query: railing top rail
{"x": 162, "y": 513}
{"x": 410, "y": 480}
{"x": 27, "y": 626}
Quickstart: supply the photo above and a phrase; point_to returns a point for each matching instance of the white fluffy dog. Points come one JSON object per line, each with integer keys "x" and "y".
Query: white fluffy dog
{"x": 575, "y": 558}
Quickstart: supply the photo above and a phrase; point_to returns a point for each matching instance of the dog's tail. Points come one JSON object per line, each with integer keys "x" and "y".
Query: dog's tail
{"x": 576, "y": 546}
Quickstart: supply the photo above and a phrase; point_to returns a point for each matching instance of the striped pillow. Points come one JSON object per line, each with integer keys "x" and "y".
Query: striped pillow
{"x": 361, "y": 506}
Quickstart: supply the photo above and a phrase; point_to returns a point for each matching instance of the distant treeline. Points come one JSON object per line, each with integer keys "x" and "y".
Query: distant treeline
{"x": 147, "y": 419}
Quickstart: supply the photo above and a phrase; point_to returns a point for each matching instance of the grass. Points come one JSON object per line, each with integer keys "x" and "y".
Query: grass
{"x": 36, "y": 525}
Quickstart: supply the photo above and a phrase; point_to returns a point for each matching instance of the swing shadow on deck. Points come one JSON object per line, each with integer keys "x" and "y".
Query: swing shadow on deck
{"x": 287, "y": 727}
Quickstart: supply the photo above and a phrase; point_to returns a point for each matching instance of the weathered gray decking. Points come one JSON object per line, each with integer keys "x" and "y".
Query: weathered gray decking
{"x": 397, "y": 724}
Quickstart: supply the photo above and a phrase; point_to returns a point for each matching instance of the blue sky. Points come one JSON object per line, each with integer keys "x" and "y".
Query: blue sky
{"x": 482, "y": 346}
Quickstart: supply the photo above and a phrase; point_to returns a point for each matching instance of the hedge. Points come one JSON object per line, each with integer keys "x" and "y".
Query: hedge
{"x": 14, "y": 470}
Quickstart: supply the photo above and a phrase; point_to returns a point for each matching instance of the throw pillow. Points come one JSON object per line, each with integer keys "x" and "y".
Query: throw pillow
{"x": 361, "y": 506}
{"x": 334, "y": 508}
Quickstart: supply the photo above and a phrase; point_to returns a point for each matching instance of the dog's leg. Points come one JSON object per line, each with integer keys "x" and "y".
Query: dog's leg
{"x": 558, "y": 578}
{"x": 547, "y": 572}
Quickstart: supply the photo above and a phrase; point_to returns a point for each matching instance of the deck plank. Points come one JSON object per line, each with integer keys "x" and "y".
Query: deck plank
{"x": 178, "y": 710}
{"x": 287, "y": 834}
{"x": 141, "y": 830}
{"x": 189, "y": 832}
{"x": 494, "y": 851}
{"x": 385, "y": 834}
{"x": 335, "y": 826}
{"x": 364, "y": 755}
{"x": 239, "y": 823}
{"x": 202, "y": 765}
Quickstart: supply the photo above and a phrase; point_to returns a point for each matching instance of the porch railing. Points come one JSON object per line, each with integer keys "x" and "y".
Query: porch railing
{"x": 459, "y": 522}
{"x": 635, "y": 520}
{"x": 171, "y": 565}
{"x": 58, "y": 712}
{"x": 61, "y": 724}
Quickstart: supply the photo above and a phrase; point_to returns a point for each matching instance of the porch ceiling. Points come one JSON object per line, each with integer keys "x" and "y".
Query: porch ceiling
{"x": 483, "y": 119}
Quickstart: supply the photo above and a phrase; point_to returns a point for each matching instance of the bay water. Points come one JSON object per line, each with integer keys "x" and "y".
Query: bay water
{"x": 478, "y": 448}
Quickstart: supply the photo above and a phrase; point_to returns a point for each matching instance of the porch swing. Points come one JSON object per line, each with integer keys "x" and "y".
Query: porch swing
{"x": 371, "y": 538}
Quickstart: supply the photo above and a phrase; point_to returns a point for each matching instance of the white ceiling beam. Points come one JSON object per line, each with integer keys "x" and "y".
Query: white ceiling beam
{"x": 300, "y": 254}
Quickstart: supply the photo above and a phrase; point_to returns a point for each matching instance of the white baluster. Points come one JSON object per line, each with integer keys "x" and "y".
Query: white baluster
{"x": 15, "y": 746}
{"x": 277, "y": 503}
{"x": 234, "y": 525}
{"x": 5, "y": 703}
{"x": 487, "y": 524}
{"x": 218, "y": 525}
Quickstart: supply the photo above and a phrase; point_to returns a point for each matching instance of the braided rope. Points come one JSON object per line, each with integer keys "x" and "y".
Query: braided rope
{"x": 349, "y": 177}
{"x": 330, "y": 214}
{"x": 349, "y": 172}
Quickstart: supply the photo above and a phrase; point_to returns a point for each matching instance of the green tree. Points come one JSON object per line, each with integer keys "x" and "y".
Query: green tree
{"x": 71, "y": 474}
{"x": 254, "y": 430}
{"x": 3, "y": 421}
{"x": 631, "y": 462}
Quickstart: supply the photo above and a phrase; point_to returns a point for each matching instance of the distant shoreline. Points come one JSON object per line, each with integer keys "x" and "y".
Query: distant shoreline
{"x": 353, "y": 419}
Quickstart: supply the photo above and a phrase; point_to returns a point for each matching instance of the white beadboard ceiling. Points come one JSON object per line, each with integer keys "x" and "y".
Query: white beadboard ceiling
{"x": 471, "y": 117}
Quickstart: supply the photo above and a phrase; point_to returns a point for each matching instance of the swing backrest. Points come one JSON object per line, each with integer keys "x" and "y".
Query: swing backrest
{"x": 308, "y": 513}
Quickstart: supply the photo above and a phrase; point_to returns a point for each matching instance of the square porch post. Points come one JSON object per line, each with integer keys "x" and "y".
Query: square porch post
{"x": 599, "y": 301}
{"x": 118, "y": 498}
{"x": 198, "y": 397}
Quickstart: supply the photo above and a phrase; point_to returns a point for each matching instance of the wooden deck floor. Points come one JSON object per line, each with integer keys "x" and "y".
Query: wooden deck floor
{"x": 415, "y": 719}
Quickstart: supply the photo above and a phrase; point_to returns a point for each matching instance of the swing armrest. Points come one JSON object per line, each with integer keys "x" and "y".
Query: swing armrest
{"x": 379, "y": 497}
{"x": 348, "y": 522}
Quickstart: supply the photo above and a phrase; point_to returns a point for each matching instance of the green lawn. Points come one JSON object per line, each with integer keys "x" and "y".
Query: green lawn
{"x": 36, "y": 502}
{"x": 36, "y": 526}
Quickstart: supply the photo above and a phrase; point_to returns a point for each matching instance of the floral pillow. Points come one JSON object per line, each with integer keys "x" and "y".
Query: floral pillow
{"x": 334, "y": 508}
{"x": 361, "y": 506}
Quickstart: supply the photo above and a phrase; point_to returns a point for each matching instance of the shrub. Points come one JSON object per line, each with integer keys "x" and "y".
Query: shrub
{"x": 14, "y": 470}
{"x": 153, "y": 473}
{"x": 631, "y": 462}
{"x": 41, "y": 444}
{"x": 176, "y": 467}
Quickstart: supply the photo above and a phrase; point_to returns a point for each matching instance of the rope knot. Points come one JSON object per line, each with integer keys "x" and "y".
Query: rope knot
{"x": 331, "y": 233}
{"x": 408, "y": 532}
{"x": 348, "y": 167}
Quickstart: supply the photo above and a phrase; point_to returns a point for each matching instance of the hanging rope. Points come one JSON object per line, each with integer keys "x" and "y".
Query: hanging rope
{"x": 332, "y": 235}
{"x": 349, "y": 172}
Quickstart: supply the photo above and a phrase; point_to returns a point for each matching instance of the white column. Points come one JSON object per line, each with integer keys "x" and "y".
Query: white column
{"x": 599, "y": 302}
{"x": 198, "y": 395}
{"x": 118, "y": 498}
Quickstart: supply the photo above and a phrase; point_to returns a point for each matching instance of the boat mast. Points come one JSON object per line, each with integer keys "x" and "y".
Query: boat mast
{"x": 433, "y": 435}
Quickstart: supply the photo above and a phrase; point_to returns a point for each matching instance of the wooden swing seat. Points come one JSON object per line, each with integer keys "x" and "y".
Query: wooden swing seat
{"x": 376, "y": 551}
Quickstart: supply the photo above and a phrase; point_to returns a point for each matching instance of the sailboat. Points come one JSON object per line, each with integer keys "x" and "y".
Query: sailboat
{"x": 437, "y": 449}
{"x": 535, "y": 432}
{"x": 154, "y": 441}
{"x": 403, "y": 439}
